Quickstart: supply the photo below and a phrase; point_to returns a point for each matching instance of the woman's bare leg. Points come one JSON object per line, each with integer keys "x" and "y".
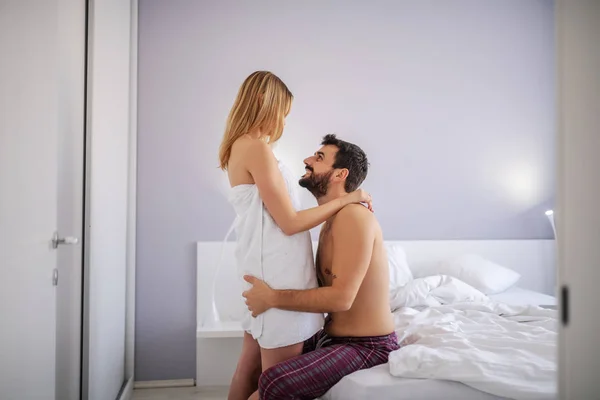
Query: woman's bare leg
{"x": 247, "y": 372}
{"x": 270, "y": 357}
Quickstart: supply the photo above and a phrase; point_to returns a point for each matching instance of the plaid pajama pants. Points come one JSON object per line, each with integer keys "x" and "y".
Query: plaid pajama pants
{"x": 325, "y": 360}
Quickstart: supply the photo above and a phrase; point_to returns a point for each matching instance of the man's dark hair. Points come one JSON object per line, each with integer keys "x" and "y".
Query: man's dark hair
{"x": 351, "y": 157}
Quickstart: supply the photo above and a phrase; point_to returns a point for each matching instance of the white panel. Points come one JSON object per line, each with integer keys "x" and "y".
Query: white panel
{"x": 108, "y": 130}
{"x": 29, "y": 124}
{"x": 578, "y": 216}
{"x": 216, "y": 360}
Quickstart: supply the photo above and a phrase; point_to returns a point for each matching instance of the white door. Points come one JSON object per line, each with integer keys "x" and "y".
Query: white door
{"x": 39, "y": 85}
{"x": 578, "y": 216}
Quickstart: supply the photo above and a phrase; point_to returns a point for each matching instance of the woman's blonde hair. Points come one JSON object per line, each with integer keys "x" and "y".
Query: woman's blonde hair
{"x": 262, "y": 102}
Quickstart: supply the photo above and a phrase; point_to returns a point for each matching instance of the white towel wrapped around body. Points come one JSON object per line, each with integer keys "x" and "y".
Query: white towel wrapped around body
{"x": 283, "y": 262}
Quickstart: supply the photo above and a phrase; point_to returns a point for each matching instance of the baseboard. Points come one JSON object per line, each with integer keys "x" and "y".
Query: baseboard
{"x": 127, "y": 392}
{"x": 164, "y": 384}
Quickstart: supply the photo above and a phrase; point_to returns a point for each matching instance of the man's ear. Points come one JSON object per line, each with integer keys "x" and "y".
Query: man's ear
{"x": 341, "y": 174}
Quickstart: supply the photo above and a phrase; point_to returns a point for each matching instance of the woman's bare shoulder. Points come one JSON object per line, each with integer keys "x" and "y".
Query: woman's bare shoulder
{"x": 246, "y": 143}
{"x": 246, "y": 149}
{"x": 249, "y": 157}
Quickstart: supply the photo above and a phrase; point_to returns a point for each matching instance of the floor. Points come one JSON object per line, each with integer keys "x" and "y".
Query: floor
{"x": 184, "y": 393}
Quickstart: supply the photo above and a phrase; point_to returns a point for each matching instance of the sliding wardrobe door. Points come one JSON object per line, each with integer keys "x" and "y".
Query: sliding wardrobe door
{"x": 108, "y": 197}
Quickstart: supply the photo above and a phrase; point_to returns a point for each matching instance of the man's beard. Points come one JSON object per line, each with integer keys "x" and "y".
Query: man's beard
{"x": 317, "y": 184}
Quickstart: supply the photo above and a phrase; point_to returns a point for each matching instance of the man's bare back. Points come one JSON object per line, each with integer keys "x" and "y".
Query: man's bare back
{"x": 369, "y": 314}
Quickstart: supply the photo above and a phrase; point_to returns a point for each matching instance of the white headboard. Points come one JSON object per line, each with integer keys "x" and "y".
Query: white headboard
{"x": 534, "y": 259}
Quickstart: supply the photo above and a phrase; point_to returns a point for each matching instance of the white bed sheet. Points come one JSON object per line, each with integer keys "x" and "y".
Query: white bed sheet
{"x": 378, "y": 383}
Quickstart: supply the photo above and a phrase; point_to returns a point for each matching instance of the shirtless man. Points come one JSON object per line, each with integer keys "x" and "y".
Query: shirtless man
{"x": 353, "y": 287}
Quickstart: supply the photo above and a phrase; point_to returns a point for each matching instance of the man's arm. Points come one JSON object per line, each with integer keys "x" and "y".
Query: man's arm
{"x": 353, "y": 234}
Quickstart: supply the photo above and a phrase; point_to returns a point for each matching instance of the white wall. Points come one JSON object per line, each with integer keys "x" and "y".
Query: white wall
{"x": 453, "y": 102}
{"x": 109, "y": 192}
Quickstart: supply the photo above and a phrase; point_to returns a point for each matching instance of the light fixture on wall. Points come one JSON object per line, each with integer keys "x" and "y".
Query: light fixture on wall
{"x": 550, "y": 215}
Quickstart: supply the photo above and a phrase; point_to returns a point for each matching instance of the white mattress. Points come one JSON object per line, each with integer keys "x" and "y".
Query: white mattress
{"x": 378, "y": 383}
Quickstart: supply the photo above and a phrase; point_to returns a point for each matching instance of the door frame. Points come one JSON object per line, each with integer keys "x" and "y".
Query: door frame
{"x": 95, "y": 62}
{"x": 577, "y": 79}
{"x": 132, "y": 204}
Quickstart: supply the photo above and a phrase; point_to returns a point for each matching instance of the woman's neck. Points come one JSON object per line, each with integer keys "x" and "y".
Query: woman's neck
{"x": 256, "y": 134}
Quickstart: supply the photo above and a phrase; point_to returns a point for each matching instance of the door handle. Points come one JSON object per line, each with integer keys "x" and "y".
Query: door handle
{"x": 56, "y": 240}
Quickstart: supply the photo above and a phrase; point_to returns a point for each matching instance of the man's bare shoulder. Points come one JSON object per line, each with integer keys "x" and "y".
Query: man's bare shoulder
{"x": 354, "y": 216}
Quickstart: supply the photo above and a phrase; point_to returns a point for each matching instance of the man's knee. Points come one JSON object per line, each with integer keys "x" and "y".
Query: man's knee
{"x": 272, "y": 384}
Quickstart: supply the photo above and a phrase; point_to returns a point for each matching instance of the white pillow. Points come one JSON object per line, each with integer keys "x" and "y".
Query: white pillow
{"x": 482, "y": 274}
{"x": 400, "y": 273}
{"x": 434, "y": 290}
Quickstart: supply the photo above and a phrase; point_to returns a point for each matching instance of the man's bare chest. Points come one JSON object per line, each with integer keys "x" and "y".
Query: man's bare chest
{"x": 324, "y": 259}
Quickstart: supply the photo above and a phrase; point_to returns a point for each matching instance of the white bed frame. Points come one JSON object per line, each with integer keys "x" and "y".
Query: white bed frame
{"x": 219, "y": 344}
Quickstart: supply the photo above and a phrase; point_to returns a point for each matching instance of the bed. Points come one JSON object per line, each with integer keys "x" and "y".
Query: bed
{"x": 527, "y": 268}
{"x": 378, "y": 383}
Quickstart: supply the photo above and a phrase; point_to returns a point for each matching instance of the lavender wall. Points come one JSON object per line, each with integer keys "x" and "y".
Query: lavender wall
{"x": 452, "y": 101}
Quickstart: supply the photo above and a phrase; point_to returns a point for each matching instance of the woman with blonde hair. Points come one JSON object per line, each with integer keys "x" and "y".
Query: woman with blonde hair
{"x": 273, "y": 242}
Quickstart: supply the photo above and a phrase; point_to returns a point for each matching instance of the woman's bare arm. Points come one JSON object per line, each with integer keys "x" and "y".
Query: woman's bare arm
{"x": 262, "y": 165}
